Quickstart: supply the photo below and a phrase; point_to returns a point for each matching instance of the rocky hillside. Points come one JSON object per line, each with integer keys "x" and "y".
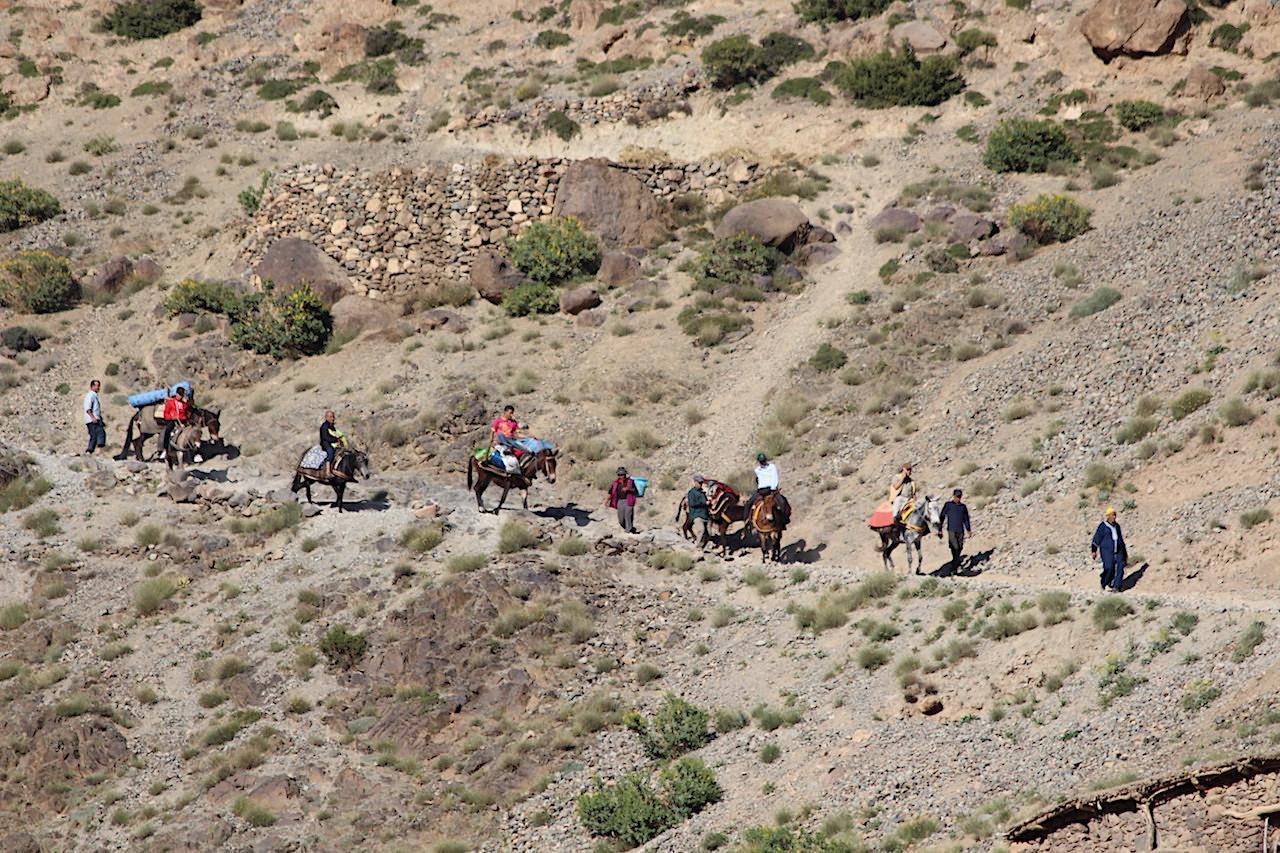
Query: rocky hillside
{"x": 1030, "y": 248}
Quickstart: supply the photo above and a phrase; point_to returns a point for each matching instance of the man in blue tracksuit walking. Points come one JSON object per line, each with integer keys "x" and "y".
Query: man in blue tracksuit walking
{"x": 1108, "y": 543}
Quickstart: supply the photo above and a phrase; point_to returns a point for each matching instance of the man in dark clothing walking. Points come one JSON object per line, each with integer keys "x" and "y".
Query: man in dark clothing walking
{"x": 955, "y": 519}
{"x": 698, "y": 507}
{"x": 1108, "y": 543}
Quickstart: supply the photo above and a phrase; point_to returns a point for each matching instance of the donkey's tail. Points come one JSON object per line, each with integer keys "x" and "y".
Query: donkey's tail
{"x": 128, "y": 436}
{"x": 470, "y": 467}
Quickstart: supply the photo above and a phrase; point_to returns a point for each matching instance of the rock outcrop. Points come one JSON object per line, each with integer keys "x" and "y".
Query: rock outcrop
{"x": 1136, "y": 27}
{"x": 613, "y": 204}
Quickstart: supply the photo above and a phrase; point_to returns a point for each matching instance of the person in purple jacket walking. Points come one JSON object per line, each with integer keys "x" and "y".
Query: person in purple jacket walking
{"x": 622, "y": 497}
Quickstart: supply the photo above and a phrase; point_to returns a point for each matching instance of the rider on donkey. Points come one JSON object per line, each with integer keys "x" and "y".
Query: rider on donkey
{"x": 767, "y": 482}
{"x": 177, "y": 410}
{"x": 902, "y": 489}
{"x": 331, "y": 439}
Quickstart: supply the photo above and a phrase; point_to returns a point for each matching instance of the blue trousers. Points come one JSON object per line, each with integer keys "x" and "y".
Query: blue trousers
{"x": 1113, "y": 575}
{"x": 97, "y": 436}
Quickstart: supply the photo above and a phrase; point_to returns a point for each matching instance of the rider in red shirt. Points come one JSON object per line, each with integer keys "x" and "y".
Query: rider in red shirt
{"x": 176, "y": 411}
{"x": 504, "y": 427}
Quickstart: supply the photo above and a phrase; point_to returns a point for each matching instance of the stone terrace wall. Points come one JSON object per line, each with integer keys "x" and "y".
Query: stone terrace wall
{"x": 404, "y": 229}
{"x": 1196, "y": 823}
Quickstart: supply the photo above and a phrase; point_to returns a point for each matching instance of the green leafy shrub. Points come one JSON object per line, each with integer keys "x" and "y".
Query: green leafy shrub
{"x": 899, "y": 79}
{"x": 531, "y": 297}
{"x": 559, "y": 123}
{"x": 1100, "y": 300}
{"x": 1228, "y": 36}
{"x": 805, "y": 88}
{"x": 779, "y": 50}
{"x": 1028, "y": 145}
{"x": 150, "y": 19}
{"x": 1138, "y": 115}
{"x": 548, "y": 39}
{"x": 38, "y": 283}
{"x": 690, "y": 786}
{"x": 382, "y": 41}
{"x": 708, "y": 325}
{"x": 734, "y": 60}
{"x": 316, "y": 101}
{"x": 630, "y": 811}
{"x": 1200, "y": 693}
{"x": 733, "y": 262}
{"x": 1050, "y": 218}
{"x": 283, "y": 324}
{"x": 826, "y": 11}
{"x": 190, "y": 296}
{"x": 343, "y": 648}
{"x": 828, "y": 358}
{"x": 1236, "y": 412}
{"x": 555, "y": 250}
{"x": 967, "y": 41}
{"x": 676, "y": 728}
{"x": 21, "y": 205}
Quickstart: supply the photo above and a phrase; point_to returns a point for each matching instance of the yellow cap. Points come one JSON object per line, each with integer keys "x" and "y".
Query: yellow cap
{"x": 1110, "y": 511}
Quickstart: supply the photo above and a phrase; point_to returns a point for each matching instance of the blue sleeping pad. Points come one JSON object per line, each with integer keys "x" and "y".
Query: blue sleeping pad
{"x": 159, "y": 395}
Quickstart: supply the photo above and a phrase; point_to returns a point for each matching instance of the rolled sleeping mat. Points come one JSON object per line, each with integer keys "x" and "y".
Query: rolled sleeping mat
{"x": 159, "y": 395}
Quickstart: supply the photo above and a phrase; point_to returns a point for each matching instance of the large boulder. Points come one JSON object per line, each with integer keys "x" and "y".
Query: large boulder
{"x": 492, "y": 275}
{"x": 108, "y": 277}
{"x": 921, "y": 36}
{"x": 618, "y": 268}
{"x": 895, "y": 219}
{"x": 355, "y": 314}
{"x": 967, "y": 227}
{"x": 613, "y": 204}
{"x": 578, "y": 300}
{"x": 1203, "y": 84}
{"x": 1136, "y": 27}
{"x": 773, "y": 221}
{"x": 290, "y": 262}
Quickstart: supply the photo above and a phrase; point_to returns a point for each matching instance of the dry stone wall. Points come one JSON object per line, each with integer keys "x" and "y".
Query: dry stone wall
{"x": 1195, "y": 823}
{"x": 397, "y": 231}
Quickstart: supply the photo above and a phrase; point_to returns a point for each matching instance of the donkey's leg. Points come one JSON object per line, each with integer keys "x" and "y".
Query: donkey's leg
{"x": 502, "y": 500}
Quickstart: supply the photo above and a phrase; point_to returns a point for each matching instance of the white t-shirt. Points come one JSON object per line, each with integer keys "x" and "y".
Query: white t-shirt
{"x": 91, "y": 404}
{"x": 767, "y": 476}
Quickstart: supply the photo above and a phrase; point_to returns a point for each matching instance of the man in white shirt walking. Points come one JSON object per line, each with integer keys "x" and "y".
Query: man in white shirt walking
{"x": 92, "y": 409}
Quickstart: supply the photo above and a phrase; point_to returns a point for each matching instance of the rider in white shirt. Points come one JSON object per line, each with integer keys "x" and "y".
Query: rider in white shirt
{"x": 767, "y": 478}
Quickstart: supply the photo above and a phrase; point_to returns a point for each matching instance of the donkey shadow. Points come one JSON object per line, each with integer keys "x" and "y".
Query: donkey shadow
{"x": 579, "y": 516}
{"x": 799, "y": 552}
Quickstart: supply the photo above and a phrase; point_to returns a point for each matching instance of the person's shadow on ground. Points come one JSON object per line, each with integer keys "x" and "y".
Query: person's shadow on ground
{"x": 580, "y": 517}
{"x": 970, "y": 566}
{"x": 1131, "y": 580}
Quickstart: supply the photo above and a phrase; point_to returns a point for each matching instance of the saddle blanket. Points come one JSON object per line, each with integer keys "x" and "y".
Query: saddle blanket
{"x": 882, "y": 517}
{"x": 313, "y": 458}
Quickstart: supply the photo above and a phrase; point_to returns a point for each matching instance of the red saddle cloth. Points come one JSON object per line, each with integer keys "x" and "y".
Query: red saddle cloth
{"x": 882, "y": 517}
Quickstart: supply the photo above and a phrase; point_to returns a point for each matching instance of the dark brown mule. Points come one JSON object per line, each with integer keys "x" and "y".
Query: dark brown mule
{"x": 531, "y": 465}
{"x": 348, "y": 466}
{"x": 148, "y": 424}
{"x": 727, "y": 513}
{"x": 768, "y": 521}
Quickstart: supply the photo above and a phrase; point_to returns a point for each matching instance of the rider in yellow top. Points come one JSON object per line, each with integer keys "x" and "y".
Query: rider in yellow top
{"x": 903, "y": 489}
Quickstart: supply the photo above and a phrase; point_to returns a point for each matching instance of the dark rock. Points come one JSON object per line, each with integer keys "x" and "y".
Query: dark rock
{"x": 578, "y": 300}
{"x": 967, "y": 227}
{"x": 110, "y": 276}
{"x": 493, "y": 276}
{"x": 899, "y": 218}
{"x": 19, "y": 339}
{"x": 147, "y": 269}
{"x": 941, "y": 213}
{"x": 613, "y": 204}
{"x": 443, "y": 318}
{"x": 290, "y": 262}
{"x": 773, "y": 221}
{"x": 1203, "y": 84}
{"x": 618, "y": 268}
